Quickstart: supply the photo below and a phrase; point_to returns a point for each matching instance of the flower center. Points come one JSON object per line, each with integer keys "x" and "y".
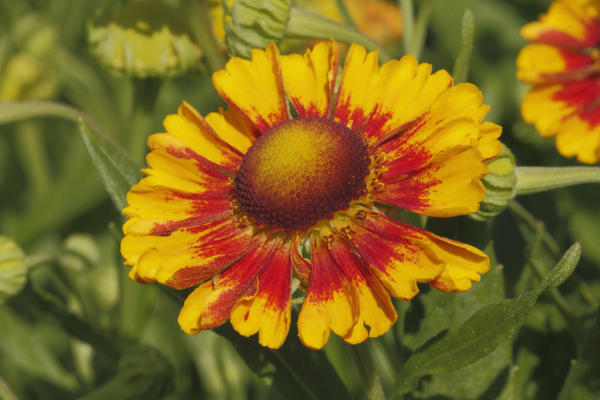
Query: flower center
{"x": 301, "y": 171}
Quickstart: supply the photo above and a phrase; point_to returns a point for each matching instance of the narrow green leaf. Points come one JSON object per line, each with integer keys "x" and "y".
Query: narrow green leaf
{"x": 563, "y": 269}
{"x": 13, "y": 271}
{"x": 461, "y": 65}
{"x": 583, "y": 380}
{"x": 483, "y": 332}
{"x": 118, "y": 172}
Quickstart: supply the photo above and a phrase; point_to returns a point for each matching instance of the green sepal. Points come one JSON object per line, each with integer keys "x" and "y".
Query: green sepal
{"x": 499, "y": 184}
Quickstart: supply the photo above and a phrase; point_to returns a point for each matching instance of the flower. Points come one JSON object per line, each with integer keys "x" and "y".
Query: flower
{"x": 245, "y": 201}
{"x": 562, "y": 65}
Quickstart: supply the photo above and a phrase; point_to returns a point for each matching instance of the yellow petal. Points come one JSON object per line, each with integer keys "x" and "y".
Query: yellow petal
{"x": 464, "y": 264}
{"x": 255, "y": 87}
{"x": 577, "y": 137}
{"x": 309, "y": 79}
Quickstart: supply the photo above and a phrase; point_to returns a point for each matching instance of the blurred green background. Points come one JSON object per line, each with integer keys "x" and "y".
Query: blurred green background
{"x": 79, "y": 328}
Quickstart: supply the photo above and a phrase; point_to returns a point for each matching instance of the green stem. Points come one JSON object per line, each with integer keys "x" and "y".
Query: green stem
{"x": 24, "y": 110}
{"x": 5, "y": 391}
{"x": 535, "y": 226}
{"x": 33, "y": 156}
{"x": 307, "y": 25}
{"x": 368, "y": 372}
{"x": 420, "y": 29}
{"x": 343, "y": 10}
{"x": 461, "y": 65}
{"x": 144, "y": 101}
{"x": 540, "y": 179}
{"x": 408, "y": 21}
{"x": 202, "y": 30}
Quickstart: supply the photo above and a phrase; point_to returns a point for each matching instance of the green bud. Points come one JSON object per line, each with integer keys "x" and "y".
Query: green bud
{"x": 148, "y": 39}
{"x": 499, "y": 183}
{"x": 13, "y": 271}
{"x": 253, "y": 24}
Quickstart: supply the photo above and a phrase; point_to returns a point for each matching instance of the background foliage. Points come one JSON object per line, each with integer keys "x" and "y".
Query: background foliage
{"x": 72, "y": 325}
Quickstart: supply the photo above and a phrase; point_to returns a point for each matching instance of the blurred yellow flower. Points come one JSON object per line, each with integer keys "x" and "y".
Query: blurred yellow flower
{"x": 563, "y": 66}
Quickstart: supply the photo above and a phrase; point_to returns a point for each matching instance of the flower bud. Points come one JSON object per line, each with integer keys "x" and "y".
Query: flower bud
{"x": 13, "y": 271}
{"x": 499, "y": 183}
{"x": 253, "y": 24}
{"x": 148, "y": 39}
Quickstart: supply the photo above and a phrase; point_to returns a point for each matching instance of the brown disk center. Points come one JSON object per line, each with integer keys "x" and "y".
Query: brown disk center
{"x": 301, "y": 171}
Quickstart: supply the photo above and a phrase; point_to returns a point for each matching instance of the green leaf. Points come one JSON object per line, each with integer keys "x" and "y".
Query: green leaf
{"x": 118, "y": 172}
{"x": 490, "y": 375}
{"x": 13, "y": 271}
{"x": 583, "y": 380}
{"x": 461, "y": 65}
{"x": 482, "y": 333}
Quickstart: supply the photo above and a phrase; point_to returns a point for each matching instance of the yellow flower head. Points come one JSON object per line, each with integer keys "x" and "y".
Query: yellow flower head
{"x": 293, "y": 181}
{"x": 563, "y": 65}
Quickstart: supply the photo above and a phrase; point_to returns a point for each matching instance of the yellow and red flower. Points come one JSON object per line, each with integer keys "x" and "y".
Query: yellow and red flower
{"x": 246, "y": 201}
{"x": 563, "y": 66}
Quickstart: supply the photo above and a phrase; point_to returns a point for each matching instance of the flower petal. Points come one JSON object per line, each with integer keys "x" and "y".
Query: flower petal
{"x": 330, "y": 303}
{"x": 380, "y": 101}
{"x": 449, "y": 185}
{"x": 268, "y": 310}
{"x": 579, "y": 136}
{"x": 255, "y": 87}
{"x": 376, "y": 314}
{"x": 186, "y": 256}
{"x": 566, "y": 24}
{"x": 301, "y": 265}
{"x": 542, "y": 63}
{"x": 398, "y": 254}
{"x": 198, "y": 138}
{"x": 159, "y": 210}
{"x": 464, "y": 263}
{"x": 234, "y": 127}
{"x": 489, "y": 145}
{"x": 548, "y": 106}
{"x": 309, "y": 80}
{"x": 454, "y": 120}
{"x": 210, "y": 305}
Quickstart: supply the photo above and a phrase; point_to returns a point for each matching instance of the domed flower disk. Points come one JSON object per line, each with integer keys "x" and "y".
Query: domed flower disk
{"x": 563, "y": 66}
{"x": 293, "y": 181}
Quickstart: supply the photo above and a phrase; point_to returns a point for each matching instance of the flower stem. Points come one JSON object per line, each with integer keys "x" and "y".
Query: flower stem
{"x": 408, "y": 21}
{"x": 461, "y": 65}
{"x": 343, "y": 10}
{"x": 23, "y": 110}
{"x": 307, "y": 25}
{"x": 145, "y": 94}
{"x": 367, "y": 371}
{"x": 202, "y": 30}
{"x": 420, "y": 30}
{"x": 536, "y": 226}
{"x": 540, "y": 179}
{"x": 33, "y": 156}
